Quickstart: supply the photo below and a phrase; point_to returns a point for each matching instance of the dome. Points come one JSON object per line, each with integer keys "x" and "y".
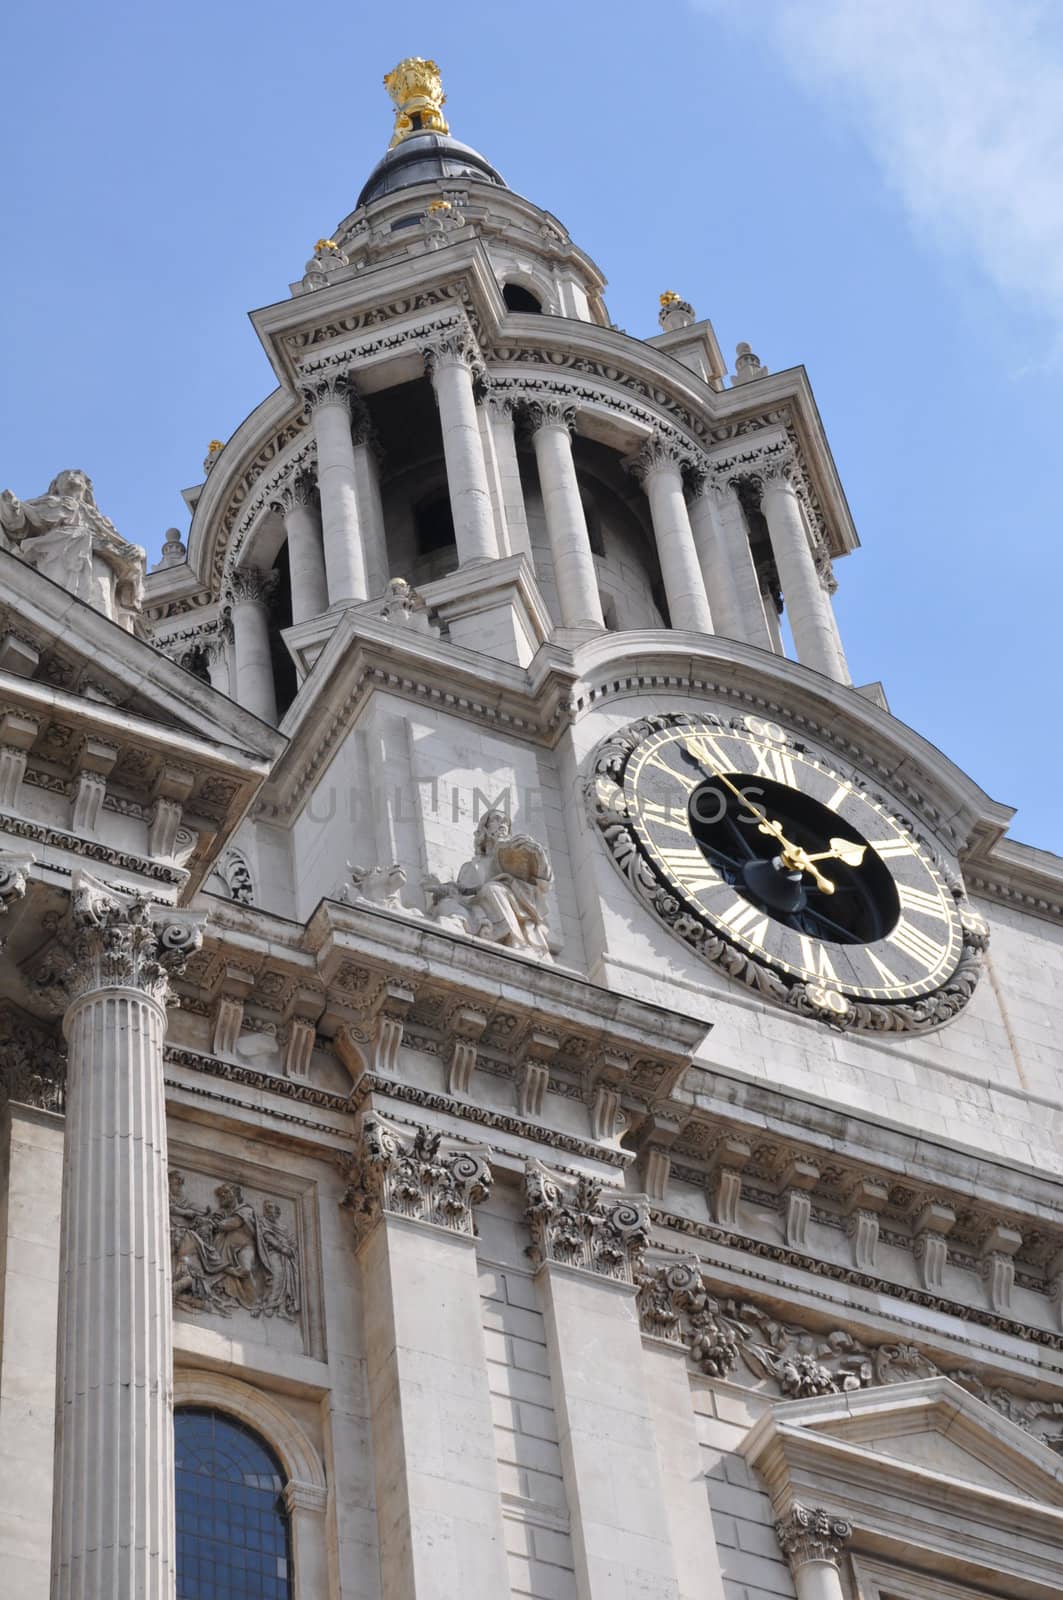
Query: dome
{"x": 427, "y": 158}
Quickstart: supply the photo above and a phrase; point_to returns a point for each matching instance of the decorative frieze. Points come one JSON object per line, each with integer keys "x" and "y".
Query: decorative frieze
{"x": 235, "y": 1255}
{"x": 812, "y": 1534}
{"x": 579, "y": 1223}
{"x": 413, "y": 1172}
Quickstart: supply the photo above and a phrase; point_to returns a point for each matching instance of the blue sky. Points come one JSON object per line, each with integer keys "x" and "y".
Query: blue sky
{"x": 870, "y": 187}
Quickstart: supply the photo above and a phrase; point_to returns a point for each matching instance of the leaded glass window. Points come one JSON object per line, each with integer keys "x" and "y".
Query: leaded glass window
{"x": 232, "y": 1527}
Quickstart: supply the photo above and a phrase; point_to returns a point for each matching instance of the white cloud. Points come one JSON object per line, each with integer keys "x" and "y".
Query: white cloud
{"x": 960, "y": 102}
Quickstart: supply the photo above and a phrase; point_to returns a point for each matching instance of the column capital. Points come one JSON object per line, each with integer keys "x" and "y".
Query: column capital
{"x": 248, "y": 583}
{"x": 775, "y": 467}
{"x": 812, "y": 1534}
{"x": 298, "y": 490}
{"x": 112, "y": 940}
{"x": 326, "y": 388}
{"x": 14, "y": 874}
{"x": 578, "y": 1223}
{"x": 451, "y": 347}
{"x": 411, "y": 1171}
{"x": 547, "y": 411}
{"x": 658, "y": 454}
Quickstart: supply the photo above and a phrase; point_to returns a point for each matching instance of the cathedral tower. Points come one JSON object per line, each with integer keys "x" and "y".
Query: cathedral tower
{"x": 521, "y": 1079}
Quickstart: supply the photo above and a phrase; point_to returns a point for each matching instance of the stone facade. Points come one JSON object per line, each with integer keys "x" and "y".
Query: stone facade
{"x": 369, "y": 1076}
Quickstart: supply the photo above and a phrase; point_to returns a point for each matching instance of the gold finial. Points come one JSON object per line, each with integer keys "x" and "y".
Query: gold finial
{"x": 670, "y": 298}
{"x": 325, "y": 244}
{"x": 417, "y": 90}
{"x": 214, "y": 446}
{"x": 435, "y": 206}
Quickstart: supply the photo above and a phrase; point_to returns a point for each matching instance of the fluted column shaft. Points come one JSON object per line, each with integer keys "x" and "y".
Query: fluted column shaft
{"x": 449, "y": 365}
{"x": 566, "y": 521}
{"x": 113, "y": 1508}
{"x": 726, "y": 561}
{"x": 807, "y": 603}
{"x": 660, "y": 468}
{"x": 370, "y": 507}
{"x": 328, "y": 403}
{"x": 255, "y": 690}
{"x": 306, "y": 555}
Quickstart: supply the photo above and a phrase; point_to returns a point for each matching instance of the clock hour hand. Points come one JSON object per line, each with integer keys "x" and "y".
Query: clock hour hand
{"x": 792, "y": 857}
{"x": 842, "y": 850}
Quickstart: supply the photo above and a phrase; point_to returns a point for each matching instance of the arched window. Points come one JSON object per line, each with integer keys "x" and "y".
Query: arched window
{"x": 232, "y": 1527}
{"x": 518, "y": 298}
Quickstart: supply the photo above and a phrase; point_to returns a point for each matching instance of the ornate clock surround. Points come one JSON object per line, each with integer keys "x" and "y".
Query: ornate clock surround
{"x": 611, "y": 808}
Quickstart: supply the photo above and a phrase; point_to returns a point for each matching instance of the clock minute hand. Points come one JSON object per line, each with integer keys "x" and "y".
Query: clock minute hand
{"x": 792, "y": 856}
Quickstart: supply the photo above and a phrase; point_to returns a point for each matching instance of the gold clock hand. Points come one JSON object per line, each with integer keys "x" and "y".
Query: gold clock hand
{"x": 842, "y": 850}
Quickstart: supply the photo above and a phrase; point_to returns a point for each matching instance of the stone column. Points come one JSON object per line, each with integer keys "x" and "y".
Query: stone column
{"x": 659, "y": 467}
{"x": 328, "y": 402}
{"x": 439, "y": 1504}
{"x": 449, "y": 363}
{"x": 807, "y": 604}
{"x": 248, "y": 593}
{"x": 812, "y": 1541}
{"x": 551, "y": 425}
{"x": 113, "y": 1508}
{"x": 587, "y": 1243}
{"x": 306, "y": 556}
{"x": 370, "y": 504}
{"x": 722, "y": 543}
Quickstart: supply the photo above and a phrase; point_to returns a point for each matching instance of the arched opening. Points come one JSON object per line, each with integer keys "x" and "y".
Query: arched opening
{"x": 436, "y": 545}
{"x": 518, "y": 298}
{"x": 233, "y": 1538}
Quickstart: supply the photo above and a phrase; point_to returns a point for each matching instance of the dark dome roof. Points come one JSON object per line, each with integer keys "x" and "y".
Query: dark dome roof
{"x": 426, "y": 158}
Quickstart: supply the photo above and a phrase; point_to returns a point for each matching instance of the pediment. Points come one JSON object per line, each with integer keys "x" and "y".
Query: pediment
{"x": 49, "y": 637}
{"x": 931, "y": 1429}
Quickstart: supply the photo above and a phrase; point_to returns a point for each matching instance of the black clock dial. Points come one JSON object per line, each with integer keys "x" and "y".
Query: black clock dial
{"x": 863, "y": 905}
{"x": 802, "y": 867}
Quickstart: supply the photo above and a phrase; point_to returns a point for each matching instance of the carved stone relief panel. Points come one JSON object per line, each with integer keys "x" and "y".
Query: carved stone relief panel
{"x": 245, "y": 1250}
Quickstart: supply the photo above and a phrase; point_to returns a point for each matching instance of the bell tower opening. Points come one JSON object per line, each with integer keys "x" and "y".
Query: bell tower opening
{"x": 518, "y": 298}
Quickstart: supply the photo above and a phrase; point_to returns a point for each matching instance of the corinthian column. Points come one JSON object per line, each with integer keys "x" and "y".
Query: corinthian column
{"x": 812, "y": 1541}
{"x": 327, "y": 401}
{"x": 113, "y": 1509}
{"x": 566, "y": 523}
{"x": 306, "y": 556}
{"x": 248, "y": 592}
{"x": 660, "y": 467}
{"x": 806, "y": 600}
{"x": 726, "y": 560}
{"x": 449, "y": 364}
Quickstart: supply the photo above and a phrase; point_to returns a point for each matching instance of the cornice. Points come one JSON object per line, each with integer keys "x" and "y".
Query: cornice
{"x": 1020, "y": 876}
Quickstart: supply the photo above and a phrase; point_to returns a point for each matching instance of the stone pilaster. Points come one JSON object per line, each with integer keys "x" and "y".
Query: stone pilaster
{"x": 412, "y": 1193}
{"x": 659, "y": 466}
{"x": 449, "y": 362}
{"x": 327, "y": 401}
{"x": 551, "y": 422}
{"x": 812, "y": 1541}
{"x": 588, "y": 1243}
{"x": 113, "y": 1511}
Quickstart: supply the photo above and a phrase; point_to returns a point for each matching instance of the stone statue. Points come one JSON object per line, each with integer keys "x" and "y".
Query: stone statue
{"x": 67, "y": 538}
{"x": 501, "y": 893}
{"x": 376, "y": 886}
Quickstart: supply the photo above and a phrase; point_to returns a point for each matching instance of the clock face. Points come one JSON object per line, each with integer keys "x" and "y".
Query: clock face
{"x": 738, "y": 832}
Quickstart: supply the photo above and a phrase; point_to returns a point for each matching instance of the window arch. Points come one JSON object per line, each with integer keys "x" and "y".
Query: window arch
{"x": 518, "y": 298}
{"x": 233, "y": 1535}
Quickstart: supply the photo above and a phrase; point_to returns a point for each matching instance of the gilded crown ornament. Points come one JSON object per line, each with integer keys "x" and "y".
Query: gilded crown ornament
{"x": 417, "y": 90}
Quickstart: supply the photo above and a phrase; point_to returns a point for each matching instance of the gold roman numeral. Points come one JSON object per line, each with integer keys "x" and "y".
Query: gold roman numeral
{"x": 815, "y": 959}
{"x": 889, "y": 979}
{"x": 706, "y": 748}
{"x": 742, "y": 918}
{"x": 929, "y": 905}
{"x": 686, "y": 780}
{"x": 691, "y": 868}
{"x": 913, "y": 942}
{"x": 774, "y": 761}
{"x": 893, "y": 846}
{"x": 664, "y": 816}
{"x": 838, "y": 798}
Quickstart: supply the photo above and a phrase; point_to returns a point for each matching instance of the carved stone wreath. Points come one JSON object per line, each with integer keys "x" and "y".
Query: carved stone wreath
{"x": 608, "y": 808}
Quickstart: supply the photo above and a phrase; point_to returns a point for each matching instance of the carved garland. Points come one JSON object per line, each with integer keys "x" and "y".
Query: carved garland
{"x": 605, "y": 800}
{"x": 747, "y": 1343}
